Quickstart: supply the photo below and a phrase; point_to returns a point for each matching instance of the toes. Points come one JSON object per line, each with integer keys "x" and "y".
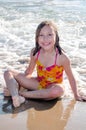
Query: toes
{"x": 6, "y": 92}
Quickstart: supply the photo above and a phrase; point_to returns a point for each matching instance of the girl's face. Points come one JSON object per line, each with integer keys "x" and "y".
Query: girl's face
{"x": 47, "y": 37}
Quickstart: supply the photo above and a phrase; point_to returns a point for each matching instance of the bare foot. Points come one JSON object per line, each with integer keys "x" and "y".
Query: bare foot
{"x": 6, "y": 92}
{"x": 18, "y": 100}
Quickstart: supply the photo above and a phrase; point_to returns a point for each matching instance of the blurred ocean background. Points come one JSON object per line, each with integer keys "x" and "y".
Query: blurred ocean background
{"x": 19, "y": 20}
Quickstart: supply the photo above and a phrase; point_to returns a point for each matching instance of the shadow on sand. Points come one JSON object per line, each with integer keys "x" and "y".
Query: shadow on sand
{"x": 7, "y": 107}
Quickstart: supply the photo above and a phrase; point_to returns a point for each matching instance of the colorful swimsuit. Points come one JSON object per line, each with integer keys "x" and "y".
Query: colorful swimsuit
{"x": 49, "y": 75}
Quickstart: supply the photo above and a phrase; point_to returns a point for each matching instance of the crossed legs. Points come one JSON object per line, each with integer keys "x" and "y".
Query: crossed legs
{"x": 14, "y": 79}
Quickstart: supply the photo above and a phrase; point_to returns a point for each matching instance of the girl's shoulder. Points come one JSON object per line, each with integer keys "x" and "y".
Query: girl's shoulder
{"x": 32, "y": 50}
{"x": 64, "y": 58}
{"x": 64, "y": 55}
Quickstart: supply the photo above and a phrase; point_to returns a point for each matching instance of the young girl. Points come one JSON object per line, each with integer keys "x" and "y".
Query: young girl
{"x": 50, "y": 61}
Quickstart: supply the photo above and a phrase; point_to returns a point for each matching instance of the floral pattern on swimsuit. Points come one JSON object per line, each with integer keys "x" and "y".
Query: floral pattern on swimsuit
{"x": 49, "y": 75}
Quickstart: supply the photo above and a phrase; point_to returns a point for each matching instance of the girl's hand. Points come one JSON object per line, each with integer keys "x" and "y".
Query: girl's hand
{"x": 81, "y": 98}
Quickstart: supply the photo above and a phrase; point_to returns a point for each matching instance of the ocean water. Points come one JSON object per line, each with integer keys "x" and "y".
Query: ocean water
{"x": 19, "y": 20}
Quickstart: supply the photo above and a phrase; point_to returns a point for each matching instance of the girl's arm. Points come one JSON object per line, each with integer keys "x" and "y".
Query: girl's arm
{"x": 72, "y": 81}
{"x": 31, "y": 65}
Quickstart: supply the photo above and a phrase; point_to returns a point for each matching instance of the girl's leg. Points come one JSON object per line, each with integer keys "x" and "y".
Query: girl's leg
{"x": 12, "y": 86}
{"x": 7, "y": 93}
{"x": 48, "y": 93}
{"x": 13, "y": 78}
{"x": 25, "y": 81}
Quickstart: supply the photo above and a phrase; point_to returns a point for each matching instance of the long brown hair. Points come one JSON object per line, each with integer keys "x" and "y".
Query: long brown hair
{"x": 40, "y": 26}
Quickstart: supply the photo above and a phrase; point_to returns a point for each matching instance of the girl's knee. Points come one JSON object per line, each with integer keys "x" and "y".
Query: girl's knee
{"x": 56, "y": 92}
{"x": 7, "y": 73}
{"x": 10, "y": 73}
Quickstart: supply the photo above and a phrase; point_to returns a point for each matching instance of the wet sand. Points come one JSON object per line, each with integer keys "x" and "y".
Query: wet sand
{"x": 63, "y": 114}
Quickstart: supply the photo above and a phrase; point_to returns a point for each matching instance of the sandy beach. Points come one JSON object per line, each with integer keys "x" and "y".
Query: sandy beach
{"x": 62, "y": 114}
{"x": 18, "y": 22}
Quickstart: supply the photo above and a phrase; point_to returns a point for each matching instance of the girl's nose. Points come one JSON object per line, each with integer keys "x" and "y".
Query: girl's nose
{"x": 45, "y": 38}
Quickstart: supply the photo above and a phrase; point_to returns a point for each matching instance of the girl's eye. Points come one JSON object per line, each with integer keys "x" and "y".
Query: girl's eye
{"x": 50, "y": 34}
{"x": 40, "y": 35}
